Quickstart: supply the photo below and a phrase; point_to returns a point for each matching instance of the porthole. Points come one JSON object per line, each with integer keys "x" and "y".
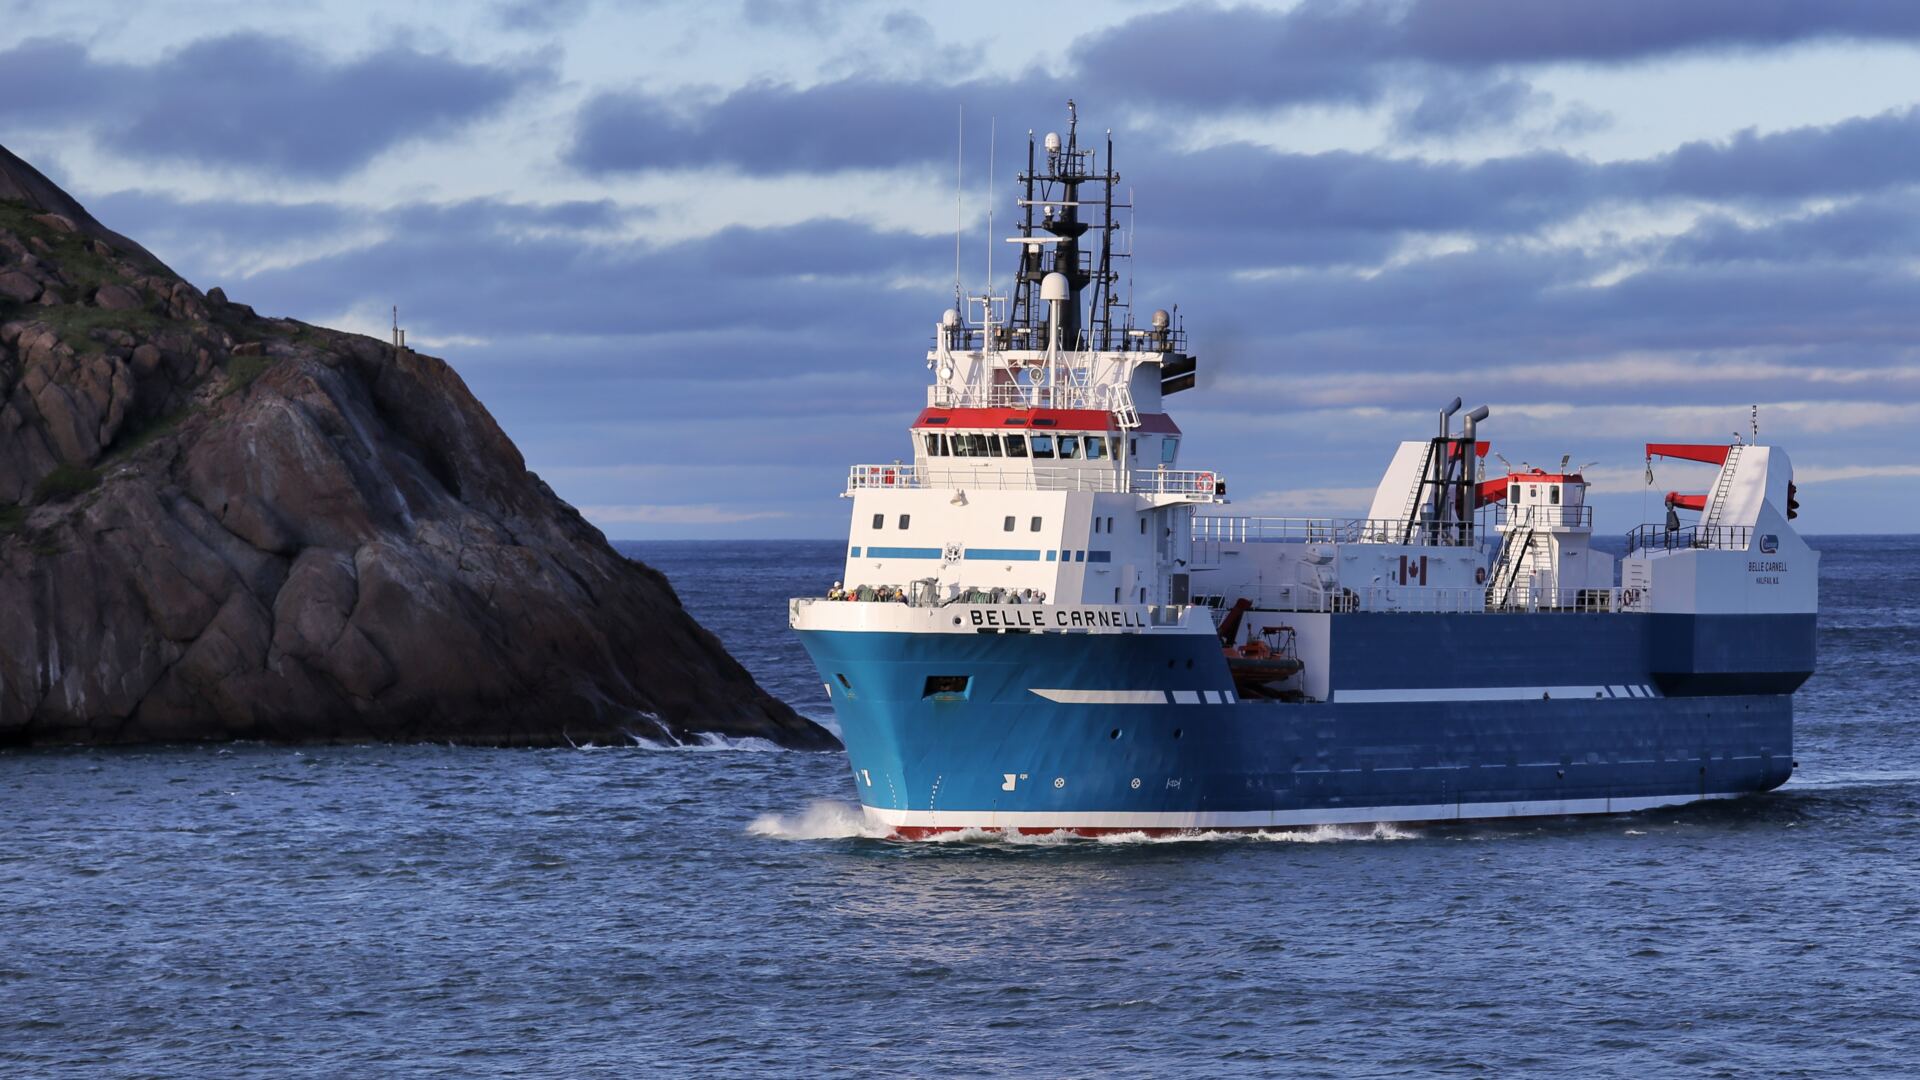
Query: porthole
{"x": 1114, "y": 734}
{"x": 1176, "y": 733}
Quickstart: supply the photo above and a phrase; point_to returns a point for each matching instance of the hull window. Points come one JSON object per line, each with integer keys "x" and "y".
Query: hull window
{"x": 947, "y": 686}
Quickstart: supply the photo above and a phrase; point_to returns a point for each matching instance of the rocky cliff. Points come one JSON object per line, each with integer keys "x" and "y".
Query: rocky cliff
{"x": 218, "y": 525}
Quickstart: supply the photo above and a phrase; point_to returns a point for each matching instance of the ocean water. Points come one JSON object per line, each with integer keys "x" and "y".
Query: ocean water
{"x": 347, "y": 911}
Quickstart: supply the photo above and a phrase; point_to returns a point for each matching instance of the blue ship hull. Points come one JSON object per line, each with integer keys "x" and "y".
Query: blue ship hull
{"x": 1688, "y": 707}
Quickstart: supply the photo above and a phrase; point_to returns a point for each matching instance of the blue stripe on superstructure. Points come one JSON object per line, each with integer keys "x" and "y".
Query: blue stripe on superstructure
{"x": 1099, "y": 556}
{"x": 853, "y": 553}
{"x": 1051, "y": 556}
{"x": 903, "y": 553}
{"x": 1008, "y": 554}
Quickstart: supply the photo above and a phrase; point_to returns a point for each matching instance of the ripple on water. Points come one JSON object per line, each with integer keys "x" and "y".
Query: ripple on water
{"x": 257, "y": 911}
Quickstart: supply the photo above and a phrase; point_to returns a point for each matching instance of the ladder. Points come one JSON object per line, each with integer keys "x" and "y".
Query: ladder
{"x": 1120, "y": 402}
{"x": 1516, "y": 551}
{"x": 1720, "y": 490}
{"x": 1409, "y": 515}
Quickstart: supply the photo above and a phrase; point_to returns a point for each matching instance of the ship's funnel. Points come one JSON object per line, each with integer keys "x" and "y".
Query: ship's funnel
{"x": 1469, "y": 429}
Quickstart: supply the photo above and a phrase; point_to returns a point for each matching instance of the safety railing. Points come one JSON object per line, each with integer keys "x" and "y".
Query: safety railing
{"x": 914, "y": 596}
{"x": 1543, "y": 517}
{"x": 1390, "y": 599}
{"x": 1662, "y": 538}
{"x": 1218, "y": 528}
{"x": 1194, "y": 485}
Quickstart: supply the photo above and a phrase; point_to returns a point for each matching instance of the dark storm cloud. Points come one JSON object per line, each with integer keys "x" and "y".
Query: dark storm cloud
{"x": 538, "y": 16}
{"x": 767, "y": 128}
{"x": 470, "y": 280}
{"x": 1455, "y": 58}
{"x": 1483, "y": 32}
{"x": 1464, "y": 105}
{"x": 1862, "y": 154}
{"x": 254, "y": 101}
{"x": 1881, "y": 227}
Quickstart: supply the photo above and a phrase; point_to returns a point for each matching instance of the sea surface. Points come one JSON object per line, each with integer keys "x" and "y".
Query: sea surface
{"x": 620, "y": 911}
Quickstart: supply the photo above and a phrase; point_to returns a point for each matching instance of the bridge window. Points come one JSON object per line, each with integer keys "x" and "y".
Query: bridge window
{"x": 1169, "y": 449}
{"x": 1553, "y": 494}
{"x": 1513, "y": 494}
{"x": 879, "y": 521}
{"x": 1069, "y": 446}
{"x": 1096, "y": 448}
{"x": 1016, "y": 446}
{"x": 993, "y": 445}
{"x": 1042, "y": 445}
{"x": 936, "y": 446}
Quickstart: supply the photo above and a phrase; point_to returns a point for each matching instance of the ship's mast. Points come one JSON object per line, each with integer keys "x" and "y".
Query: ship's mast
{"x": 1058, "y": 184}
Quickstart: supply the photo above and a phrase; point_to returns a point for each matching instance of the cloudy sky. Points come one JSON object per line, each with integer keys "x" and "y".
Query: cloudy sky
{"x": 690, "y": 254}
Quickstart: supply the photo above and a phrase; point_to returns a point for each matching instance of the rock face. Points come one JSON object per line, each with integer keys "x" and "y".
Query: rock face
{"x": 215, "y": 525}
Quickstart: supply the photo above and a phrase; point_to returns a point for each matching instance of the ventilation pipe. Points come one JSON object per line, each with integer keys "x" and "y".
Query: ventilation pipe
{"x": 1470, "y": 467}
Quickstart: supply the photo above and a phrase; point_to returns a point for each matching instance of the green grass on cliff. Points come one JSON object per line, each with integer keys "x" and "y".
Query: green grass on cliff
{"x": 75, "y": 324}
{"x": 65, "y": 482}
{"x": 242, "y": 370}
{"x": 71, "y": 253}
{"x": 12, "y": 519}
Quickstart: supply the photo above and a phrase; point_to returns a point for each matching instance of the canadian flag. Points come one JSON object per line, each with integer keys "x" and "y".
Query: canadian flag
{"x": 1413, "y": 571}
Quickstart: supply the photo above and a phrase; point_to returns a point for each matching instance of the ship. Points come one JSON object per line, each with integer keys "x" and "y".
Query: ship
{"x": 1049, "y": 621}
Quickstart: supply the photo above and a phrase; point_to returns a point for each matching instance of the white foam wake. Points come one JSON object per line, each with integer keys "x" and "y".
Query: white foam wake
{"x": 709, "y": 741}
{"x": 823, "y": 819}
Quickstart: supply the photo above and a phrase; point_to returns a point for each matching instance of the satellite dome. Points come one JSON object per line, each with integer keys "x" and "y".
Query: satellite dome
{"x": 1161, "y": 319}
{"x": 950, "y": 318}
{"x": 1054, "y": 287}
{"x": 1053, "y": 142}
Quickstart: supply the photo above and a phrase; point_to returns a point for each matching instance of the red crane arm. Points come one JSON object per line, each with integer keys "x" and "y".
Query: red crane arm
{"x": 1701, "y": 452}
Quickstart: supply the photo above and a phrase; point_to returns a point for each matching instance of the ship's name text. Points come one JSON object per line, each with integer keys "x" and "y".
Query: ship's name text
{"x": 1117, "y": 619}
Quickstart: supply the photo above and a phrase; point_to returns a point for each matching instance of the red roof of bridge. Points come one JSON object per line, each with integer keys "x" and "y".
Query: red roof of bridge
{"x": 1060, "y": 420}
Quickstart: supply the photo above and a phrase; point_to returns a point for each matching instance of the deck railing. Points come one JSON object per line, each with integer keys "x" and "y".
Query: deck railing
{"x": 1218, "y": 528}
{"x": 1401, "y": 599}
{"x": 1195, "y": 485}
{"x": 1543, "y": 517}
{"x": 1661, "y": 538}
